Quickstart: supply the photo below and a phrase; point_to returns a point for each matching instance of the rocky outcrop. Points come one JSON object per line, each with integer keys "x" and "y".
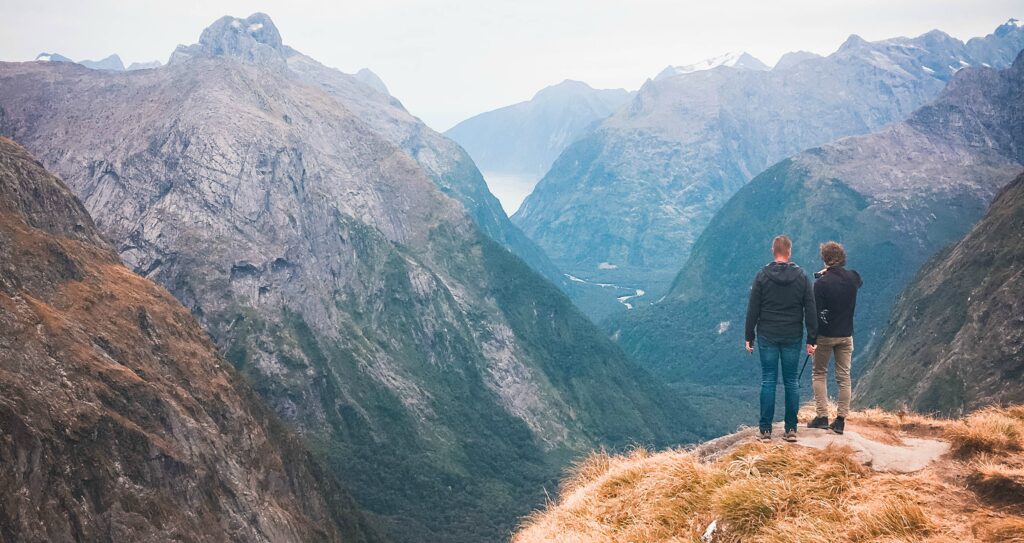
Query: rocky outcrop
{"x": 436, "y": 374}
{"x": 118, "y": 419}
{"x": 625, "y": 203}
{"x": 955, "y": 342}
{"x": 893, "y": 198}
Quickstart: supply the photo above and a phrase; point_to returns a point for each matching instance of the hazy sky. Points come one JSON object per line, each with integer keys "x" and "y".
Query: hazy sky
{"x": 450, "y": 59}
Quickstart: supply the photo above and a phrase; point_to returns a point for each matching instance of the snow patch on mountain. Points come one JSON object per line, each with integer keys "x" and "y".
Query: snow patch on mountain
{"x": 738, "y": 60}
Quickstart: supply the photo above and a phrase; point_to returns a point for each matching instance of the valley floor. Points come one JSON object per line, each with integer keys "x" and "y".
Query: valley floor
{"x": 892, "y": 477}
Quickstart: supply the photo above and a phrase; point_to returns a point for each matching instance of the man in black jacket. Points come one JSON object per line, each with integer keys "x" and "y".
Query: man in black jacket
{"x": 781, "y": 304}
{"x": 835, "y": 296}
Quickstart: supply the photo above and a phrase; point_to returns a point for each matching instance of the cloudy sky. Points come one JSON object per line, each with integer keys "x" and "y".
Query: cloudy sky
{"x": 450, "y": 59}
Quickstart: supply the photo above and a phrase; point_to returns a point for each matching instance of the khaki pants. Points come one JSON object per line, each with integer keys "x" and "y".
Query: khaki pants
{"x": 843, "y": 348}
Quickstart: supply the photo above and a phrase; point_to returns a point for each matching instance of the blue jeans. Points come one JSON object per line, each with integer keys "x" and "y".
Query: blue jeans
{"x": 773, "y": 352}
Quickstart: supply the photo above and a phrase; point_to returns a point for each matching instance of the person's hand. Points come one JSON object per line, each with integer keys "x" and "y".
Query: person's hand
{"x": 749, "y": 347}
{"x": 810, "y": 349}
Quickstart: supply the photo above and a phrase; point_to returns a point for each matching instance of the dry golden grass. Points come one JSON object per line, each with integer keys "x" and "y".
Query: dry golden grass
{"x": 894, "y": 516}
{"x": 774, "y": 493}
{"x": 1004, "y": 530}
{"x": 991, "y": 430}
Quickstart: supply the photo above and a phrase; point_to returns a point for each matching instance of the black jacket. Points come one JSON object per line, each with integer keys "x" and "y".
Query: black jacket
{"x": 835, "y": 296}
{"x": 781, "y": 303}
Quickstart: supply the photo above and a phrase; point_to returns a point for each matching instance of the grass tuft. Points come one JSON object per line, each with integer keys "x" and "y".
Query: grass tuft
{"x": 898, "y": 516}
{"x": 989, "y": 431}
{"x": 996, "y": 481}
{"x": 1004, "y": 530}
{"x": 748, "y": 504}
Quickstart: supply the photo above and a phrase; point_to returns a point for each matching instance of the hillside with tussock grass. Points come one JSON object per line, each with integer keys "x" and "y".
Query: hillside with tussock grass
{"x": 742, "y": 490}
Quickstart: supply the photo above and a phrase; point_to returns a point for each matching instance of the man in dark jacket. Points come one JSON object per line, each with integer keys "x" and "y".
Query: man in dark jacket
{"x": 835, "y": 297}
{"x": 781, "y": 304}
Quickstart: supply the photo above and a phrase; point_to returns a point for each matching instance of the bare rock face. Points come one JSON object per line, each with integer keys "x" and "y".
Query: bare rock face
{"x": 118, "y": 419}
{"x": 955, "y": 342}
{"x": 893, "y": 198}
{"x": 342, "y": 261}
{"x": 626, "y": 203}
{"x": 256, "y": 40}
{"x": 253, "y": 39}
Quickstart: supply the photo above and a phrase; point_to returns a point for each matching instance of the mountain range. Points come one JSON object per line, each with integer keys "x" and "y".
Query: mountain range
{"x": 519, "y": 142}
{"x": 893, "y": 198}
{"x": 351, "y": 264}
{"x": 625, "y": 203}
{"x": 111, "y": 63}
{"x": 120, "y": 422}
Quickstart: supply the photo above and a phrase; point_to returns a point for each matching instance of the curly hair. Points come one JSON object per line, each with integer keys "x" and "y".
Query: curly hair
{"x": 833, "y": 254}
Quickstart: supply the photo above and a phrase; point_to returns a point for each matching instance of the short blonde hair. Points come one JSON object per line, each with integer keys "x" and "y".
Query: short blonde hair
{"x": 782, "y": 245}
{"x": 833, "y": 254}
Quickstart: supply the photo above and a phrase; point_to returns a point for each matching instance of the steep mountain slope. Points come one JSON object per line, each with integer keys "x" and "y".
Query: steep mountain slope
{"x": 119, "y": 420}
{"x": 635, "y": 193}
{"x": 523, "y": 139}
{"x": 893, "y": 198}
{"x": 956, "y": 337}
{"x": 443, "y": 380}
{"x": 257, "y": 40}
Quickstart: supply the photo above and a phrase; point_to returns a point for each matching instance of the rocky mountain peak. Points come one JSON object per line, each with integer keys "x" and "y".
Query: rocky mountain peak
{"x": 737, "y": 60}
{"x": 793, "y": 58}
{"x": 568, "y": 87}
{"x": 852, "y": 42}
{"x": 252, "y": 39}
{"x": 372, "y": 80}
{"x": 52, "y": 57}
{"x": 110, "y": 63}
{"x": 1010, "y": 26}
